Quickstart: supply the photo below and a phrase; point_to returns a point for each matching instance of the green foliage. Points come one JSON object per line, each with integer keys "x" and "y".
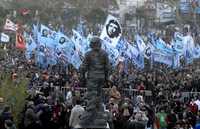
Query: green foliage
{"x": 13, "y": 94}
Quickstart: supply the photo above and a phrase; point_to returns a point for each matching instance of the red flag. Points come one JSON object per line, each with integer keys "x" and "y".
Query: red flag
{"x": 20, "y": 42}
{"x": 24, "y": 11}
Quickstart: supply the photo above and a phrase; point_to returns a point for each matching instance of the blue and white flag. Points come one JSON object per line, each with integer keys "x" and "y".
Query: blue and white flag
{"x": 177, "y": 43}
{"x": 176, "y": 63}
{"x": 185, "y": 6}
{"x": 188, "y": 44}
{"x": 30, "y": 45}
{"x": 134, "y": 55}
{"x": 148, "y": 50}
{"x": 80, "y": 42}
{"x": 76, "y": 60}
{"x": 122, "y": 46}
{"x": 80, "y": 28}
{"x": 162, "y": 46}
{"x": 196, "y": 52}
{"x": 113, "y": 53}
{"x": 140, "y": 43}
{"x": 61, "y": 40}
{"x": 4, "y": 38}
{"x": 35, "y": 32}
{"x": 47, "y": 36}
{"x": 50, "y": 57}
{"x": 162, "y": 57}
{"x": 112, "y": 31}
{"x": 138, "y": 60}
{"x": 188, "y": 56}
{"x": 41, "y": 59}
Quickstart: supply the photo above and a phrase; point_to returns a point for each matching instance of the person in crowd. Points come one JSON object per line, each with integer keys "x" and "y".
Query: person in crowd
{"x": 162, "y": 119}
{"x": 76, "y": 112}
{"x": 115, "y": 94}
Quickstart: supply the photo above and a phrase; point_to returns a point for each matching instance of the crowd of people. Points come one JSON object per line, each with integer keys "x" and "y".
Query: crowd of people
{"x": 56, "y": 96}
{"x": 153, "y": 98}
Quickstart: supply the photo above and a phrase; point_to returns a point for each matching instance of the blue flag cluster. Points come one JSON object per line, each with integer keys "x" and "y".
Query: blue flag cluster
{"x": 50, "y": 47}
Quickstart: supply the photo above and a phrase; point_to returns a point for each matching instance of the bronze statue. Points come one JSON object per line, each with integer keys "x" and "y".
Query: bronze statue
{"x": 95, "y": 69}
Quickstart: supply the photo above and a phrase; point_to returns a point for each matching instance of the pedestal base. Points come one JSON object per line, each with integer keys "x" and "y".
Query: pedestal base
{"x": 92, "y": 127}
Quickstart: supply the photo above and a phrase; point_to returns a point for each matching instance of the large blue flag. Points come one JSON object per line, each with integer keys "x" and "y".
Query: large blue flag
{"x": 188, "y": 44}
{"x": 35, "y": 32}
{"x": 41, "y": 59}
{"x": 185, "y": 6}
{"x": 148, "y": 50}
{"x": 30, "y": 45}
{"x": 134, "y": 55}
{"x": 162, "y": 57}
{"x": 162, "y": 46}
{"x": 47, "y": 37}
{"x": 140, "y": 43}
{"x": 177, "y": 43}
{"x": 61, "y": 40}
{"x": 196, "y": 52}
{"x": 80, "y": 42}
{"x": 76, "y": 60}
{"x": 122, "y": 45}
{"x": 112, "y": 53}
{"x": 66, "y": 51}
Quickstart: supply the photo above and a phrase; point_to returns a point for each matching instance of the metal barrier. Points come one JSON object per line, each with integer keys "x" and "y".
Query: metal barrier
{"x": 189, "y": 94}
{"x": 131, "y": 93}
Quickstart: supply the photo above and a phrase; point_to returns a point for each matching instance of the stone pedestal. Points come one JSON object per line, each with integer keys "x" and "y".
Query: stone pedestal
{"x": 92, "y": 127}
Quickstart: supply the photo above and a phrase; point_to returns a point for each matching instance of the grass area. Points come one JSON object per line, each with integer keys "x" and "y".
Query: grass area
{"x": 14, "y": 95}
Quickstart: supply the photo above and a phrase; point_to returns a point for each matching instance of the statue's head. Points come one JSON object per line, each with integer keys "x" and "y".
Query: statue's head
{"x": 95, "y": 43}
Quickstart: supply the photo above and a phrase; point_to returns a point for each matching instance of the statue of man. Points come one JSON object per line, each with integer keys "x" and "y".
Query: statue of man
{"x": 95, "y": 69}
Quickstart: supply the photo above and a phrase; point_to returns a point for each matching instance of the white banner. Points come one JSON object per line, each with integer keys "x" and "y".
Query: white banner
{"x": 164, "y": 13}
{"x": 9, "y": 25}
{"x": 112, "y": 31}
{"x": 4, "y": 38}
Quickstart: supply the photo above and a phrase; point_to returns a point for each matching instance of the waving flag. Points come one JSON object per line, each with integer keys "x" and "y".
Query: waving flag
{"x": 188, "y": 44}
{"x": 188, "y": 57}
{"x": 196, "y": 52}
{"x": 161, "y": 45}
{"x": 148, "y": 50}
{"x": 76, "y": 60}
{"x": 185, "y": 6}
{"x": 61, "y": 39}
{"x": 178, "y": 43}
{"x": 4, "y": 38}
{"x": 20, "y": 42}
{"x": 112, "y": 31}
{"x": 133, "y": 54}
{"x": 47, "y": 36}
{"x": 30, "y": 45}
{"x": 80, "y": 28}
{"x": 113, "y": 53}
{"x": 122, "y": 46}
{"x": 66, "y": 51}
{"x": 41, "y": 59}
{"x": 162, "y": 57}
{"x": 35, "y": 33}
{"x": 11, "y": 26}
{"x": 81, "y": 43}
{"x": 140, "y": 43}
